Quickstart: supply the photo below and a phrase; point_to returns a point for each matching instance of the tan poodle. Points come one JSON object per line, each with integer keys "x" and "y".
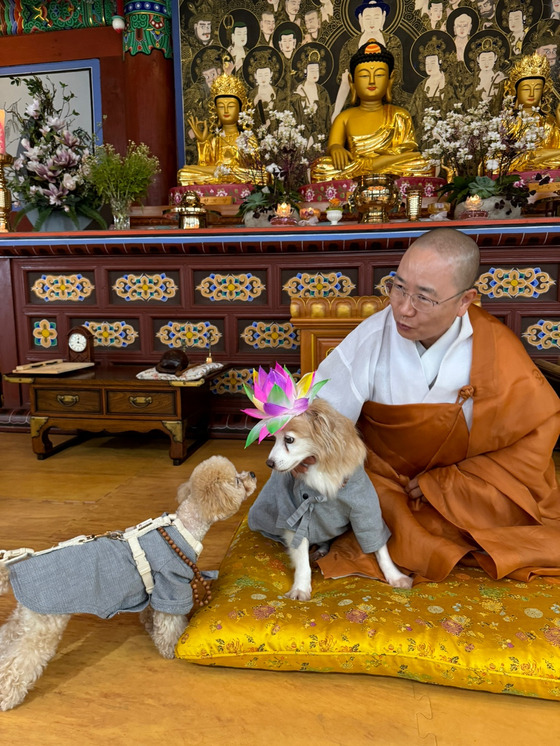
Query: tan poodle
{"x": 146, "y": 568}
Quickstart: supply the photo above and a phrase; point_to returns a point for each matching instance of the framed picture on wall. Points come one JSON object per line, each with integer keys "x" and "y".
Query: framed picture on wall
{"x": 81, "y": 77}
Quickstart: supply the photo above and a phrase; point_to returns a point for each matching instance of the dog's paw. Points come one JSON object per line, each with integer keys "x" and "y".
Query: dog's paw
{"x": 298, "y": 594}
{"x": 400, "y": 581}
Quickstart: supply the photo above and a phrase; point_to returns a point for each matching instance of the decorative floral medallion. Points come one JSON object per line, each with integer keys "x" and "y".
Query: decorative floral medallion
{"x": 529, "y": 282}
{"x": 186, "y": 334}
{"x": 157, "y": 287}
{"x": 45, "y": 333}
{"x": 244, "y": 287}
{"x": 271, "y": 334}
{"x": 319, "y": 285}
{"x": 231, "y": 381}
{"x": 61, "y": 288}
{"x": 544, "y": 335}
{"x": 381, "y": 284}
{"x": 112, "y": 333}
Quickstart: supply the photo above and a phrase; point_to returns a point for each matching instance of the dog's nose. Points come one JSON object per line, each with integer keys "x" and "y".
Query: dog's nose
{"x": 270, "y": 463}
{"x": 252, "y": 474}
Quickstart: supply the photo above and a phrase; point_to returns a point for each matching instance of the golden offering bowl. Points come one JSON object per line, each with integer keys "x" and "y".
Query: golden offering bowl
{"x": 375, "y": 196}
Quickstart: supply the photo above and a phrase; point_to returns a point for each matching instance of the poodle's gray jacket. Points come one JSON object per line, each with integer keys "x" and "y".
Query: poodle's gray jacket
{"x": 286, "y": 502}
{"x": 100, "y": 577}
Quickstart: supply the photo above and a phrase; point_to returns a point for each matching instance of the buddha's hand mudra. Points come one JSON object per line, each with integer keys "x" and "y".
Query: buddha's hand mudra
{"x": 340, "y": 156}
{"x": 199, "y": 128}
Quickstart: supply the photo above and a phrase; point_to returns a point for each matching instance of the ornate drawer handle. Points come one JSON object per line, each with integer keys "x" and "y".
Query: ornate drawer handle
{"x": 140, "y": 401}
{"x": 68, "y": 400}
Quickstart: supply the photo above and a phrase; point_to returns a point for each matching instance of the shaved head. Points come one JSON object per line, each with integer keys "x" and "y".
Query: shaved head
{"x": 457, "y": 248}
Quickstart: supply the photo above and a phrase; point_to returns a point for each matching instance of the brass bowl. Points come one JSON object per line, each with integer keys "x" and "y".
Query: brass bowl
{"x": 375, "y": 196}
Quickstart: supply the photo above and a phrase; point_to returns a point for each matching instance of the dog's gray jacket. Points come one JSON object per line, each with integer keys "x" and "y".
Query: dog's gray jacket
{"x": 286, "y": 502}
{"x": 100, "y": 577}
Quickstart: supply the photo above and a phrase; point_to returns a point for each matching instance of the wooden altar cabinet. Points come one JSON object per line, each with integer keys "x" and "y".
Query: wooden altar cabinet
{"x": 144, "y": 291}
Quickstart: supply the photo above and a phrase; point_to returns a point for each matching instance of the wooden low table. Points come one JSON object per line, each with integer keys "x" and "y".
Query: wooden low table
{"x": 112, "y": 399}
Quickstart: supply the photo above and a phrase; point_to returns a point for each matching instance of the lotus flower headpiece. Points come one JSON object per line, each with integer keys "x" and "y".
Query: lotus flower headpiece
{"x": 278, "y": 398}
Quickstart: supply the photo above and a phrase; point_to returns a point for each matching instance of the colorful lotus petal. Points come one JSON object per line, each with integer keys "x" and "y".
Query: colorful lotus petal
{"x": 277, "y": 398}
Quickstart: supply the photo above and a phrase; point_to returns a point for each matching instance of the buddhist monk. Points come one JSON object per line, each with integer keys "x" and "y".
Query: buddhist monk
{"x": 374, "y": 136}
{"x": 460, "y": 426}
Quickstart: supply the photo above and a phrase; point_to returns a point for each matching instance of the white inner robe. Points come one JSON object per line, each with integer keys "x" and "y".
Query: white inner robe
{"x": 375, "y": 363}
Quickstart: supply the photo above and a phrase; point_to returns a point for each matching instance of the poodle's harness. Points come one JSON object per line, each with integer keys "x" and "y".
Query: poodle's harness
{"x": 129, "y": 535}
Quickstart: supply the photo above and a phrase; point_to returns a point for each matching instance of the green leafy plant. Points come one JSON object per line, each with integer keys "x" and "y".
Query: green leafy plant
{"x": 48, "y": 175}
{"x": 121, "y": 178}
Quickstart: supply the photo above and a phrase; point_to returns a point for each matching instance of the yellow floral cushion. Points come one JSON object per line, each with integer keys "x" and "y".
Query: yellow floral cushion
{"x": 468, "y": 631}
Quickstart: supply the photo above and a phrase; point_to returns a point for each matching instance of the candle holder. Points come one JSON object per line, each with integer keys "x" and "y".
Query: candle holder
{"x": 5, "y": 195}
{"x": 414, "y": 204}
{"x": 283, "y": 215}
{"x": 473, "y": 209}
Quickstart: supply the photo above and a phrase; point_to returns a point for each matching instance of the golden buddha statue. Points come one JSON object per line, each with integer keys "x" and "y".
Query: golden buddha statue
{"x": 373, "y": 137}
{"x": 530, "y": 83}
{"x": 219, "y": 158}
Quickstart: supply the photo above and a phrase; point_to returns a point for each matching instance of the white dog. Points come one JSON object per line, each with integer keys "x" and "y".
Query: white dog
{"x": 148, "y": 567}
{"x": 317, "y": 503}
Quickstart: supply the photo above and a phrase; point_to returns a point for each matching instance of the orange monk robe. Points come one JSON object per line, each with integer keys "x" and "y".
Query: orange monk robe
{"x": 490, "y": 495}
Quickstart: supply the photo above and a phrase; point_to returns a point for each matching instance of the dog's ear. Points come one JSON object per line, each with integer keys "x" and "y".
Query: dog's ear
{"x": 324, "y": 429}
{"x": 184, "y": 491}
{"x": 332, "y": 432}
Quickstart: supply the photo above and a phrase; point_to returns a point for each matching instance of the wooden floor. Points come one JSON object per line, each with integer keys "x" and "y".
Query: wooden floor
{"x": 107, "y": 684}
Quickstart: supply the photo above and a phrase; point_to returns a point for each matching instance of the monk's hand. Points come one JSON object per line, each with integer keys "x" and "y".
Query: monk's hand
{"x": 340, "y": 156}
{"x": 303, "y": 467}
{"x": 415, "y": 493}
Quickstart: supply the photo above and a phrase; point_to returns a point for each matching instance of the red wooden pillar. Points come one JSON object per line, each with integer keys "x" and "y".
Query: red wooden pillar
{"x": 149, "y": 90}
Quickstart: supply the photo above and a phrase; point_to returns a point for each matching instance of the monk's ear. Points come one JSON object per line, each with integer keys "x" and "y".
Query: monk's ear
{"x": 467, "y": 299}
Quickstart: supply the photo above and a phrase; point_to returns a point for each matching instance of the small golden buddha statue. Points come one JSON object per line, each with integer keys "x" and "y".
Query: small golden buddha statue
{"x": 374, "y": 137}
{"x": 229, "y": 98}
{"x": 530, "y": 83}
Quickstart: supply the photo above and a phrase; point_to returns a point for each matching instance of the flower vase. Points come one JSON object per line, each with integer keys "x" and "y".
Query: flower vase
{"x": 262, "y": 220}
{"x": 121, "y": 213}
{"x": 58, "y": 222}
{"x": 334, "y": 216}
{"x": 498, "y": 208}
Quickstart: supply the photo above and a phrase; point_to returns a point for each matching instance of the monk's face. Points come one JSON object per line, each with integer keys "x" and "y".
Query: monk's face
{"x": 424, "y": 272}
{"x": 529, "y": 92}
{"x": 371, "y": 80}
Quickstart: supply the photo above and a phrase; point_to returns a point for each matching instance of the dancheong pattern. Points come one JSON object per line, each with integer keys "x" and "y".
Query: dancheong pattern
{"x": 62, "y": 288}
{"x": 186, "y": 334}
{"x": 230, "y": 287}
{"x": 544, "y": 335}
{"x": 112, "y": 333}
{"x": 45, "y": 333}
{"x": 270, "y": 334}
{"x": 319, "y": 285}
{"x": 156, "y": 287}
{"x": 529, "y": 282}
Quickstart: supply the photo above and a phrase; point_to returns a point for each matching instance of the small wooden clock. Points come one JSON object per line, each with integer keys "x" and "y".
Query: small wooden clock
{"x": 80, "y": 345}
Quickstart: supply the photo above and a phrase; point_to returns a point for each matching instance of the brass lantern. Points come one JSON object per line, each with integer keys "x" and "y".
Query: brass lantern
{"x": 191, "y": 213}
